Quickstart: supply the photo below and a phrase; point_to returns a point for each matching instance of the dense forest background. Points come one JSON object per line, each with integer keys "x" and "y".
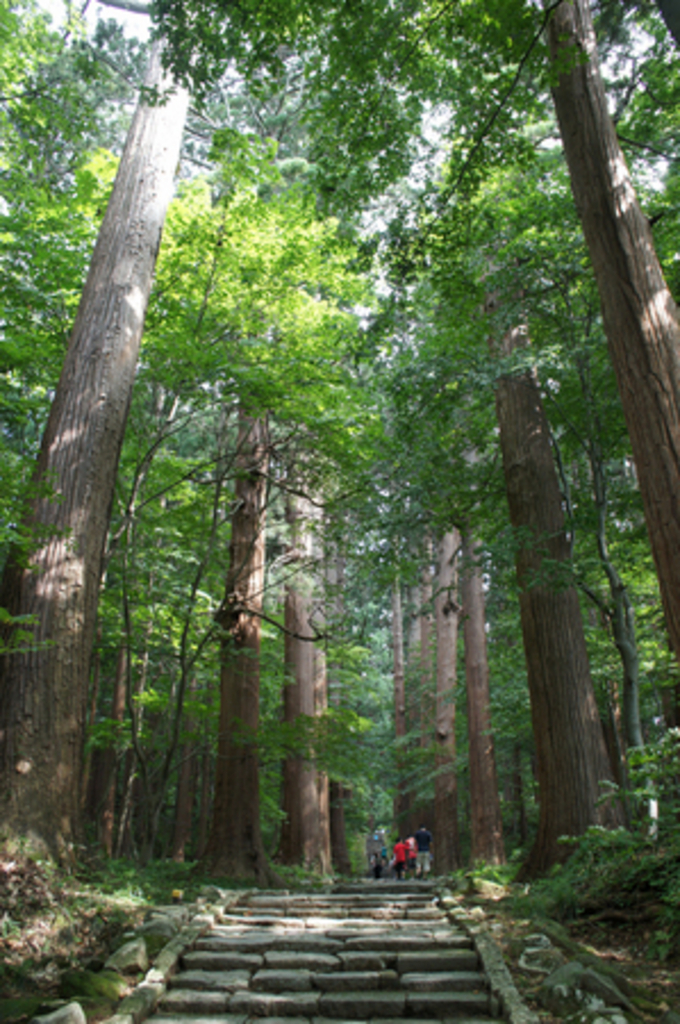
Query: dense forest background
{"x": 375, "y": 547}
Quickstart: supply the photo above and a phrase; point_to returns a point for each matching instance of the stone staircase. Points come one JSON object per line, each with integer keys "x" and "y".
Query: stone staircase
{"x": 365, "y": 952}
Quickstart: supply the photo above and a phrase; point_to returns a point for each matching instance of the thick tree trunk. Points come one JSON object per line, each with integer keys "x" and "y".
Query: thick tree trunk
{"x": 570, "y": 750}
{"x": 640, "y": 316}
{"x": 235, "y": 846}
{"x": 446, "y": 612}
{"x": 301, "y": 837}
{"x": 300, "y": 829}
{"x": 43, "y": 691}
{"x": 486, "y": 824}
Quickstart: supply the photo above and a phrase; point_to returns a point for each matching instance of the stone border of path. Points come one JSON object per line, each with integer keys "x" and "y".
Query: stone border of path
{"x": 506, "y": 1001}
{"x": 143, "y": 1000}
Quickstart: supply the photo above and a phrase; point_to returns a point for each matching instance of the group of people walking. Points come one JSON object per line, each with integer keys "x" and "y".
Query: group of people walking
{"x": 411, "y": 855}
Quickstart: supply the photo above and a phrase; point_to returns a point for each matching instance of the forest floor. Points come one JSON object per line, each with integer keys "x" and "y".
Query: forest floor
{"x": 625, "y": 942}
{"x": 51, "y": 922}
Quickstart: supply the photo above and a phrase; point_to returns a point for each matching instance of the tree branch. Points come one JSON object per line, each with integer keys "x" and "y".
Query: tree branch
{"x": 128, "y": 5}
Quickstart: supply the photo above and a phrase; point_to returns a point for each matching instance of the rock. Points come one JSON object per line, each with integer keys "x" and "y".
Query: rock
{"x": 489, "y": 890}
{"x": 213, "y": 894}
{"x": 611, "y": 972}
{"x": 131, "y": 958}
{"x": 573, "y": 988}
{"x": 559, "y": 936}
{"x": 671, "y": 1018}
{"x": 92, "y": 985}
{"x": 541, "y": 960}
{"x": 537, "y": 941}
{"x": 162, "y": 925}
{"x": 72, "y": 1013}
{"x": 141, "y": 1003}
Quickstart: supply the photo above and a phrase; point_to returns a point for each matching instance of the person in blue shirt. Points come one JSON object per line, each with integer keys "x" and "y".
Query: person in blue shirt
{"x": 423, "y": 838}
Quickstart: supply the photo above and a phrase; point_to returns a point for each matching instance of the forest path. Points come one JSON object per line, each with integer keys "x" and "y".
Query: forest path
{"x": 378, "y": 952}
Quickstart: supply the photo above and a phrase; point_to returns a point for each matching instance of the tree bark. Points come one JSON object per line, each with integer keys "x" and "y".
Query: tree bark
{"x": 109, "y": 763}
{"x": 300, "y": 831}
{"x": 446, "y": 612}
{"x": 570, "y": 751}
{"x": 338, "y": 793}
{"x": 43, "y": 691}
{"x": 401, "y": 800}
{"x": 486, "y": 824}
{"x": 235, "y": 846}
{"x": 322, "y": 783}
{"x": 640, "y": 316}
{"x": 187, "y": 775}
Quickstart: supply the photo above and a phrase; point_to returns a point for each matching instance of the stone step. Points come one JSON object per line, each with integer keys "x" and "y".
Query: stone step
{"x": 371, "y": 956}
{"x": 427, "y": 961}
{"x": 210, "y": 960}
{"x": 444, "y": 981}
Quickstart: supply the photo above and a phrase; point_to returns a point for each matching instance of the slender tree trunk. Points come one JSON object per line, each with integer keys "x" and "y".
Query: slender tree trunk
{"x": 186, "y": 792}
{"x": 340, "y": 857}
{"x": 401, "y": 800}
{"x": 204, "y": 804}
{"x": 88, "y": 799}
{"x": 427, "y": 682}
{"x": 413, "y": 703}
{"x": 110, "y": 762}
{"x": 322, "y": 785}
{"x": 446, "y": 610}
{"x": 235, "y": 846}
{"x": 338, "y": 794}
{"x": 570, "y": 750}
{"x": 43, "y": 691}
{"x": 485, "y": 817}
{"x": 640, "y": 316}
{"x": 519, "y": 806}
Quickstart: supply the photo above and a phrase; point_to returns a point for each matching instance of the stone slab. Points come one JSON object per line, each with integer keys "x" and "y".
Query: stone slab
{"x": 286, "y": 961}
{"x": 366, "y": 961}
{"x": 290, "y": 980}
{"x": 443, "y": 981}
{"x": 438, "y": 960}
{"x": 186, "y": 1000}
{"x": 269, "y": 1004}
{"x": 389, "y": 943}
{"x": 349, "y": 981}
{"x": 446, "y": 1004}
{"x": 307, "y": 943}
{"x": 208, "y": 961}
{"x": 236, "y": 943}
{"x": 214, "y": 1018}
{"x": 217, "y": 981}
{"x": 362, "y": 1005}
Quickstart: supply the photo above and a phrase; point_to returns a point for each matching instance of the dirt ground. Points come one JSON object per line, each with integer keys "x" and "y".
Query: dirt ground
{"x": 612, "y": 937}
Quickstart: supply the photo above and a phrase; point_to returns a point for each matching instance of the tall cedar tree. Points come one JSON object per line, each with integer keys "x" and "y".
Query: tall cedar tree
{"x": 446, "y": 613}
{"x": 486, "y": 823}
{"x": 571, "y": 757}
{"x": 235, "y": 845}
{"x": 43, "y": 690}
{"x": 640, "y": 316}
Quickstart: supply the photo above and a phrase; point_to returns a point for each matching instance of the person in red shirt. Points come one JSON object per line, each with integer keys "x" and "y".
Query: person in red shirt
{"x": 400, "y": 857}
{"x": 411, "y": 854}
